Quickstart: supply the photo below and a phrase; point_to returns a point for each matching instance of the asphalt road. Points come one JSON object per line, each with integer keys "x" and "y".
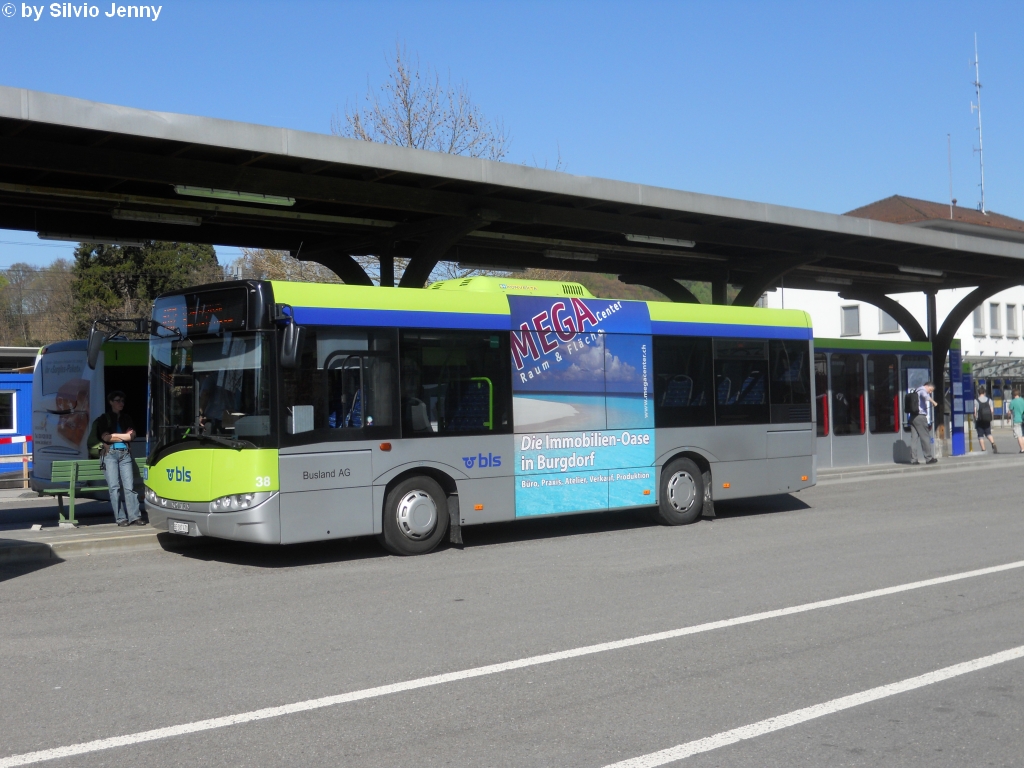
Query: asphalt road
{"x": 119, "y": 644}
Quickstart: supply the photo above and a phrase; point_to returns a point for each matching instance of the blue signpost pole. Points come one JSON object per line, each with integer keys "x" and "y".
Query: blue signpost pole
{"x": 957, "y": 396}
{"x": 968, "y": 384}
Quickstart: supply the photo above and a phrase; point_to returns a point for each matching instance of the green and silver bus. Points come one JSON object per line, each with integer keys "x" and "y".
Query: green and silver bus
{"x": 290, "y": 412}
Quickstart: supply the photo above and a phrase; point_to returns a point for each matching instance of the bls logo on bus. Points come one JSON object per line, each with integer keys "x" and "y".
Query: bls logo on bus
{"x": 481, "y": 461}
{"x": 180, "y": 474}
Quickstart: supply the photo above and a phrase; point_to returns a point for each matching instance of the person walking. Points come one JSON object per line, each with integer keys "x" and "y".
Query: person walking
{"x": 116, "y": 431}
{"x": 1016, "y": 408}
{"x": 983, "y": 420}
{"x": 919, "y": 425}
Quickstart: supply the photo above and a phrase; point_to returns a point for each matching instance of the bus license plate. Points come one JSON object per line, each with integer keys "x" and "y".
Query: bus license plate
{"x": 179, "y": 527}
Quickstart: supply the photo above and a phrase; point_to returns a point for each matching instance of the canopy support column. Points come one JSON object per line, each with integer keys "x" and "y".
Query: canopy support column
{"x": 768, "y": 279}
{"x": 345, "y": 267}
{"x": 720, "y": 289}
{"x": 671, "y": 288}
{"x": 432, "y": 250}
{"x": 942, "y": 338}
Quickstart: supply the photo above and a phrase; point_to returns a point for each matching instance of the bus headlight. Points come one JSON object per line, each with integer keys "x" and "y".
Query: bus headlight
{"x": 152, "y": 498}
{"x": 238, "y": 501}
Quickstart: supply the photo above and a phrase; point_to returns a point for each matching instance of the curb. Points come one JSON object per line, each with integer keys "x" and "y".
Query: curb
{"x": 14, "y": 551}
{"x": 854, "y": 474}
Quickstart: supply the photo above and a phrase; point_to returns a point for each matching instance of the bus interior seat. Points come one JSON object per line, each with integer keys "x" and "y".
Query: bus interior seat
{"x": 419, "y": 419}
{"x": 471, "y": 409}
{"x": 724, "y": 390}
{"x": 752, "y": 390}
{"x": 354, "y": 418}
{"x": 678, "y": 392}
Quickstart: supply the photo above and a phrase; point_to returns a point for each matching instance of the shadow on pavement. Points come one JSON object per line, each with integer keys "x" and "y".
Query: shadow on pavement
{"x": 554, "y": 527}
{"x": 366, "y": 547}
{"x": 762, "y": 505}
{"x": 15, "y": 517}
{"x": 13, "y": 570}
{"x": 272, "y": 555}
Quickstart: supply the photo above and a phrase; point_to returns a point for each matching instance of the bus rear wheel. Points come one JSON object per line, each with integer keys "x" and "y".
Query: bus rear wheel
{"x": 415, "y": 517}
{"x": 681, "y": 500}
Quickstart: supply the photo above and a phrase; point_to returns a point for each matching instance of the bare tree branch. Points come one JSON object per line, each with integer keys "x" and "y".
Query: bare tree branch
{"x": 413, "y": 108}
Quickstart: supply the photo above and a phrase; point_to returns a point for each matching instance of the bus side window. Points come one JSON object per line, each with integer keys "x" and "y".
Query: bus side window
{"x": 848, "y": 406}
{"x": 683, "y": 382}
{"x": 455, "y": 382}
{"x": 343, "y": 386}
{"x": 741, "y": 381}
{"x": 884, "y": 404}
{"x": 821, "y": 393}
{"x": 790, "y": 384}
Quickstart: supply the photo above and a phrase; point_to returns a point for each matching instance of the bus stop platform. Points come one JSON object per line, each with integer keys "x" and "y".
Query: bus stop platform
{"x": 29, "y": 531}
{"x": 1008, "y": 456}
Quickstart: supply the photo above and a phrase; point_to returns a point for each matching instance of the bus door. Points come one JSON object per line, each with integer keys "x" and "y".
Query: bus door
{"x": 885, "y": 410}
{"x": 848, "y": 404}
{"x": 823, "y": 414}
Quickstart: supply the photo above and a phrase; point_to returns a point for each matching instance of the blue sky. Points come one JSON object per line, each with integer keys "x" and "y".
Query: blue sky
{"x": 825, "y": 106}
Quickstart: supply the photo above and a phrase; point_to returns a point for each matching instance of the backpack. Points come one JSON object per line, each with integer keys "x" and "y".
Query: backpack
{"x": 911, "y": 406}
{"x": 985, "y": 412}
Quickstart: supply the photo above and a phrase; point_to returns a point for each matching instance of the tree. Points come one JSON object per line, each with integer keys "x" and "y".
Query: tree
{"x": 415, "y": 109}
{"x": 122, "y": 281}
{"x": 51, "y": 303}
{"x": 36, "y": 304}
{"x": 264, "y": 264}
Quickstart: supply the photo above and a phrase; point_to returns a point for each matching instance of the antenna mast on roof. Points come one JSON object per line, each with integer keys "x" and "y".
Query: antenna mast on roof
{"x": 980, "y": 149}
{"x": 949, "y": 159}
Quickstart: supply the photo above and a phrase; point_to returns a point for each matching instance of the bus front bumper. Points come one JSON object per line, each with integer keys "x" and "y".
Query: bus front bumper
{"x": 260, "y": 524}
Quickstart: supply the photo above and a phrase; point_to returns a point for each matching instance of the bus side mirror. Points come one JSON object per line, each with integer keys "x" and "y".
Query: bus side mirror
{"x": 291, "y": 344}
{"x": 94, "y": 346}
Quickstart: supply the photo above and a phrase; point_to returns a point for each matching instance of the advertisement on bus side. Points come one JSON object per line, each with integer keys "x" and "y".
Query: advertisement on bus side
{"x": 582, "y": 404}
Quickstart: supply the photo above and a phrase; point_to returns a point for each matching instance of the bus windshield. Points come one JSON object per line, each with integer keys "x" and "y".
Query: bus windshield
{"x": 213, "y": 390}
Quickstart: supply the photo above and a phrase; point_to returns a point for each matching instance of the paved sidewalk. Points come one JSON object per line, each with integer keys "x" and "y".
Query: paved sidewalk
{"x": 29, "y": 531}
{"x": 1006, "y": 459}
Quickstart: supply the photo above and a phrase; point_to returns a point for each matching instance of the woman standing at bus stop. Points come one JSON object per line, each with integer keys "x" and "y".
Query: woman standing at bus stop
{"x": 116, "y": 431}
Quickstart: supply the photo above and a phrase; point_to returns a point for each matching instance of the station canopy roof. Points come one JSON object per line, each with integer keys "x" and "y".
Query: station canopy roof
{"x": 96, "y": 172}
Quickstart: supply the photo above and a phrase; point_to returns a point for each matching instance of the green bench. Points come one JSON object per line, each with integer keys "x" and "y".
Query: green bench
{"x": 76, "y": 474}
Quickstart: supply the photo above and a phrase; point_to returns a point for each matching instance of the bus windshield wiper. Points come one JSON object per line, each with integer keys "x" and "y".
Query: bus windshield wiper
{"x": 200, "y": 437}
{"x": 237, "y": 444}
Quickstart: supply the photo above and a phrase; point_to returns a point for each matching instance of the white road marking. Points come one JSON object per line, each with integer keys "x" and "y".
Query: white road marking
{"x": 690, "y": 748}
{"x": 466, "y": 674}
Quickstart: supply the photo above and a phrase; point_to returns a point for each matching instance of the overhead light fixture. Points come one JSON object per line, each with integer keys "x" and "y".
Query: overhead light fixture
{"x": 651, "y": 240}
{"x": 156, "y": 218}
{"x": 101, "y": 239}
{"x": 571, "y": 255}
{"x": 921, "y": 271}
{"x": 490, "y": 268}
{"x": 233, "y": 196}
{"x": 828, "y": 279}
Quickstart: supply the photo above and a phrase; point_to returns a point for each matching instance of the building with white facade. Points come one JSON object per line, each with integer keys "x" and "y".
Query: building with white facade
{"x": 992, "y": 338}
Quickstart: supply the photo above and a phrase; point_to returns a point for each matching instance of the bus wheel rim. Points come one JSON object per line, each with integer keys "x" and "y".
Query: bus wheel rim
{"x": 417, "y": 515}
{"x": 682, "y": 490}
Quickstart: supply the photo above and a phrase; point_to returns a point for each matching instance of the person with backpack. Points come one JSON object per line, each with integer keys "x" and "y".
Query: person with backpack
{"x": 919, "y": 428}
{"x": 983, "y": 420}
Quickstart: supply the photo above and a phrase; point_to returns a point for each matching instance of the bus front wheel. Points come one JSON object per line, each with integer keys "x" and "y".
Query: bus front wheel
{"x": 415, "y": 517}
{"x": 681, "y": 501}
